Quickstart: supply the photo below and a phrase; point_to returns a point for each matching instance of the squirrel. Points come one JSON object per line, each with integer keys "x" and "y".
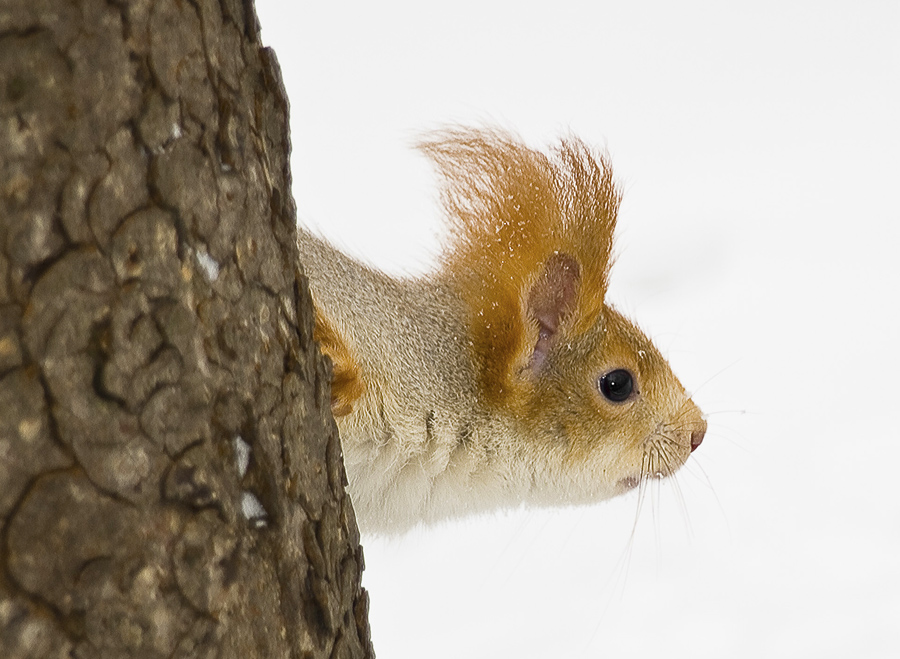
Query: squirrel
{"x": 502, "y": 377}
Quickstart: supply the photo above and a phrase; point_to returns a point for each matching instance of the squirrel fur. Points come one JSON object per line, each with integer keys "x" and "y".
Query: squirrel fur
{"x": 503, "y": 376}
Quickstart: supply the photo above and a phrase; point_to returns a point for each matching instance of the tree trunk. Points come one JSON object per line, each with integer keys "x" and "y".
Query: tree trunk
{"x": 171, "y": 482}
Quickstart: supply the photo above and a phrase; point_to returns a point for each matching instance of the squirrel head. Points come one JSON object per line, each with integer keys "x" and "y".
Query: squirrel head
{"x": 531, "y": 252}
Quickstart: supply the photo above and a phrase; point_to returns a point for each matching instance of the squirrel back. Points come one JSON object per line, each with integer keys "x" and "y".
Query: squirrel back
{"x": 502, "y": 377}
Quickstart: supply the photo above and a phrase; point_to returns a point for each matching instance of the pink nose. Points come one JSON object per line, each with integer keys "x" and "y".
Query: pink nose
{"x": 697, "y": 437}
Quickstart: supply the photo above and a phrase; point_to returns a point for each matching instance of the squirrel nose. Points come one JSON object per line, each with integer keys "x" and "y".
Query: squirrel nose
{"x": 697, "y": 437}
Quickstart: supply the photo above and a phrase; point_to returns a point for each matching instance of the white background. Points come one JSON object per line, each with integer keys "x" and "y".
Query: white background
{"x": 759, "y": 147}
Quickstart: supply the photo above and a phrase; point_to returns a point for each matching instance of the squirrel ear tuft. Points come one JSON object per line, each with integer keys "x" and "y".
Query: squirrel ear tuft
{"x": 550, "y": 300}
{"x": 531, "y": 245}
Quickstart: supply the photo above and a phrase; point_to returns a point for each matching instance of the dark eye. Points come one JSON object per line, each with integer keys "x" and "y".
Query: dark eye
{"x": 617, "y": 385}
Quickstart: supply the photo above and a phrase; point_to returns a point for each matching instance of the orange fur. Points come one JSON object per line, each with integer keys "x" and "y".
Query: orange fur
{"x": 511, "y": 209}
{"x": 347, "y": 382}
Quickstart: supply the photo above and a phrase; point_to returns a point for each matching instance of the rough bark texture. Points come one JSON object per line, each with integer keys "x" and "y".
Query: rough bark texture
{"x": 171, "y": 482}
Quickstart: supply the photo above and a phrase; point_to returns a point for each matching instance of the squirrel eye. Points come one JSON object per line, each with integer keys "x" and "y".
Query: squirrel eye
{"x": 616, "y": 386}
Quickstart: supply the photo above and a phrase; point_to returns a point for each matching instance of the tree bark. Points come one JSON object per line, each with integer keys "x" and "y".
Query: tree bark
{"x": 171, "y": 482}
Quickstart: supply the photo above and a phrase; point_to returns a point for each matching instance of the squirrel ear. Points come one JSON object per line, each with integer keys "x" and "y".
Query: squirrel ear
{"x": 550, "y": 300}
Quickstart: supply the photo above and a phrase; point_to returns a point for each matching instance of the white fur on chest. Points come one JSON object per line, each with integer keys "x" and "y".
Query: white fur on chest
{"x": 424, "y": 473}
